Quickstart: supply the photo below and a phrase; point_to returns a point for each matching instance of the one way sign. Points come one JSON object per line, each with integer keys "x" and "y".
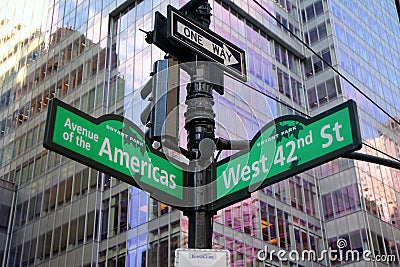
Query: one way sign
{"x": 206, "y": 43}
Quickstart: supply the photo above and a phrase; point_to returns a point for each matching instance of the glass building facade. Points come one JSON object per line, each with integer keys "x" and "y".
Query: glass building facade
{"x": 91, "y": 54}
{"x": 359, "y": 200}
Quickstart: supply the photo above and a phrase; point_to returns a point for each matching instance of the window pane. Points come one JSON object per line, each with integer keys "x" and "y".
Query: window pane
{"x": 322, "y": 31}
{"x": 56, "y": 240}
{"x": 90, "y": 226}
{"x": 68, "y": 190}
{"x": 53, "y": 194}
{"x": 85, "y": 180}
{"x": 77, "y": 184}
{"x": 61, "y": 191}
{"x": 72, "y": 233}
{"x": 313, "y": 36}
{"x": 47, "y": 245}
{"x": 81, "y": 229}
{"x": 64, "y": 237}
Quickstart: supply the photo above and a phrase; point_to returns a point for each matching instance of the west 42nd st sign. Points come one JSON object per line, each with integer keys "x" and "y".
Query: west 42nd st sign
{"x": 206, "y": 43}
{"x": 285, "y": 147}
{"x": 113, "y": 145}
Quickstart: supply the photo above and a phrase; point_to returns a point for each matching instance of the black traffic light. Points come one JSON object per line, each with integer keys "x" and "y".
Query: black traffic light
{"x": 161, "y": 114}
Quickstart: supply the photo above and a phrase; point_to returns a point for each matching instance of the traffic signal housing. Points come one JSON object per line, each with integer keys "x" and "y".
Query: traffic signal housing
{"x": 161, "y": 115}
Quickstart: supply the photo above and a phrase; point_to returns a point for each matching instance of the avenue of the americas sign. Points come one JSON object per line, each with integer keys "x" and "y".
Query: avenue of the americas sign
{"x": 206, "y": 43}
{"x": 285, "y": 147}
{"x": 113, "y": 145}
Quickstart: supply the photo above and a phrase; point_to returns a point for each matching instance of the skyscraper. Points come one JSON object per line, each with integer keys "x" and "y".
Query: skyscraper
{"x": 360, "y": 200}
{"x": 91, "y": 54}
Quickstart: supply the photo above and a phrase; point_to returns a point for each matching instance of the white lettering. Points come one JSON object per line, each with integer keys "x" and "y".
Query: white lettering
{"x": 122, "y": 155}
{"x": 281, "y": 255}
{"x": 163, "y": 177}
{"x": 105, "y": 149}
{"x": 144, "y": 164}
{"x": 245, "y": 173}
{"x": 155, "y": 170}
{"x": 327, "y": 136}
{"x": 80, "y": 130}
{"x": 309, "y": 138}
{"x": 263, "y": 160}
{"x": 255, "y": 168}
{"x": 232, "y": 174}
{"x": 68, "y": 123}
{"x": 135, "y": 164}
{"x": 337, "y": 131}
{"x": 172, "y": 180}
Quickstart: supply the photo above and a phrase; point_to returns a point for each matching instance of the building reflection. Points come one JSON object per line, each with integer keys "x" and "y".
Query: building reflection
{"x": 91, "y": 55}
{"x": 378, "y": 184}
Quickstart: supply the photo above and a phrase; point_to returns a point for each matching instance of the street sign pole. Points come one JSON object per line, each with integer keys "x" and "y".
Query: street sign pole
{"x": 200, "y": 126}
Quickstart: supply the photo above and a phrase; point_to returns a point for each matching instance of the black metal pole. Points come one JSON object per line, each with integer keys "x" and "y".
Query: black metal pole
{"x": 373, "y": 159}
{"x": 200, "y": 126}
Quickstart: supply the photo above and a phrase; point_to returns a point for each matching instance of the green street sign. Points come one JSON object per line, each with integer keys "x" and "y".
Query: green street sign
{"x": 285, "y": 147}
{"x": 113, "y": 145}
